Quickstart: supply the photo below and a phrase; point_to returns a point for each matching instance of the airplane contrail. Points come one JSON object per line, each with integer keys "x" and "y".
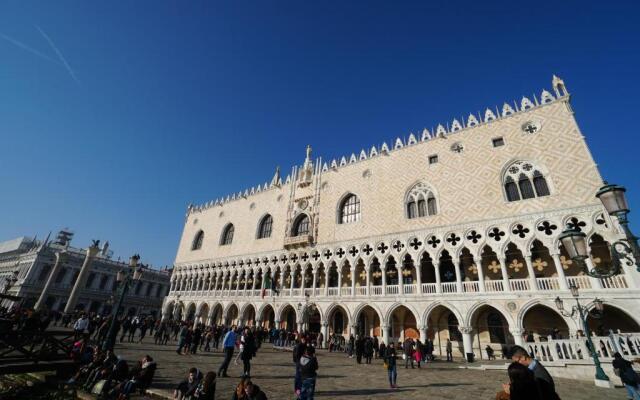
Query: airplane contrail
{"x": 28, "y": 48}
{"x": 60, "y": 56}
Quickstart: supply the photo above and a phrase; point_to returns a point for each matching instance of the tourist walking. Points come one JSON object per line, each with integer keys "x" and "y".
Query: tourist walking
{"x": 308, "y": 373}
{"x": 298, "y": 351}
{"x": 368, "y": 350}
{"x": 248, "y": 351}
{"x": 407, "y": 347}
{"x": 228, "y": 345}
{"x": 390, "y": 363}
{"x": 628, "y": 376}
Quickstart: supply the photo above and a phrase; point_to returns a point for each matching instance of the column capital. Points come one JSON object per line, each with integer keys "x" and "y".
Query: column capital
{"x": 516, "y": 331}
{"x": 465, "y": 329}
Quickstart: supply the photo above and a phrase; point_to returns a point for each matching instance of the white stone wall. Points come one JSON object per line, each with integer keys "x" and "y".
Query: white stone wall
{"x": 468, "y": 187}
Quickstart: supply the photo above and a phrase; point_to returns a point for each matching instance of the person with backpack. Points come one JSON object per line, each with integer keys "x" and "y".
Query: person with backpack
{"x": 628, "y": 376}
{"x": 308, "y": 373}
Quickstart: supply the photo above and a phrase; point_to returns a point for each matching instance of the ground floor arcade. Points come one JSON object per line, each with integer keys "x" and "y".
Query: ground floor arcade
{"x": 471, "y": 325}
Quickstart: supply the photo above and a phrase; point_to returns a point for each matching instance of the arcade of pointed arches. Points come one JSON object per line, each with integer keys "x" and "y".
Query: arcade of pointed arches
{"x": 486, "y": 323}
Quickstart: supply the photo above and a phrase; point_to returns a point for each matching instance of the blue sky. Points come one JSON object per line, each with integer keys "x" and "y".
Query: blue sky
{"x": 114, "y": 116}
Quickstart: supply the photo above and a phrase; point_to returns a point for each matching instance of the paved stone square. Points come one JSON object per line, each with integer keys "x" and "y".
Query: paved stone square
{"x": 341, "y": 377}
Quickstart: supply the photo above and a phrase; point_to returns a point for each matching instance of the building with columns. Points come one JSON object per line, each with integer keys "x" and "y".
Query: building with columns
{"x": 451, "y": 233}
{"x": 31, "y": 263}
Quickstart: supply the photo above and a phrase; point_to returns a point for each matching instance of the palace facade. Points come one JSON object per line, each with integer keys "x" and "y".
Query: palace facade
{"x": 27, "y": 264}
{"x": 451, "y": 233}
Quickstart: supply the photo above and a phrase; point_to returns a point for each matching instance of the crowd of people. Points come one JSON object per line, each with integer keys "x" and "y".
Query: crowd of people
{"x": 101, "y": 371}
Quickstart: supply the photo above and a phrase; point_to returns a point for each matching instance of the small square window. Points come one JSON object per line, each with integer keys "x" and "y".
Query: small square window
{"x": 433, "y": 159}
{"x": 497, "y": 142}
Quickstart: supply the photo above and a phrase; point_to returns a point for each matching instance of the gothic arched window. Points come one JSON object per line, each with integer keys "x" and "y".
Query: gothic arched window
{"x": 264, "y": 227}
{"x": 349, "y": 209}
{"x": 522, "y": 181}
{"x": 420, "y": 201}
{"x": 197, "y": 241}
{"x": 227, "y": 235}
{"x": 301, "y": 226}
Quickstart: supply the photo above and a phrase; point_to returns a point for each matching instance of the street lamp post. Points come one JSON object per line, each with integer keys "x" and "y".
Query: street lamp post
{"x": 124, "y": 279}
{"x": 574, "y": 241}
{"x": 601, "y": 378}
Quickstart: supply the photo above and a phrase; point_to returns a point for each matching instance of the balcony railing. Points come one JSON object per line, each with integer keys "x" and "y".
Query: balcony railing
{"x": 548, "y": 283}
{"x": 494, "y": 286}
{"x": 449, "y": 287}
{"x": 614, "y": 282}
{"x": 471, "y": 287}
{"x": 581, "y": 282}
{"x": 519, "y": 285}
{"x": 429, "y": 288}
{"x": 410, "y": 288}
{"x": 392, "y": 289}
{"x": 425, "y": 289}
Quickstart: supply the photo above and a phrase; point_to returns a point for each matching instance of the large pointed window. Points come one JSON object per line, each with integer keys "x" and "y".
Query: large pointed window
{"x": 523, "y": 180}
{"x": 227, "y": 235}
{"x": 301, "y": 226}
{"x": 349, "y": 209}
{"x": 264, "y": 228}
{"x": 420, "y": 201}
{"x": 197, "y": 241}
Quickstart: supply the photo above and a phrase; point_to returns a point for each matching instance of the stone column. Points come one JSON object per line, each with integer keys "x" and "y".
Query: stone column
{"x": 339, "y": 281}
{"x": 368, "y": 280}
{"x": 314, "y": 271}
{"x": 503, "y": 272}
{"x": 532, "y": 275}
{"x": 384, "y": 280}
{"x": 517, "y": 336}
{"x": 385, "y": 334}
{"x": 353, "y": 281}
{"x": 92, "y": 251}
{"x": 418, "y": 269}
{"x": 423, "y": 334}
{"x": 467, "y": 339}
{"x": 354, "y": 331}
{"x": 436, "y": 270}
{"x": 325, "y": 334}
{"x": 562, "y": 279}
{"x": 457, "y": 268}
{"x": 60, "y": 256}
{"x": 478, "y": 262}
{"x": 326, "y": 281}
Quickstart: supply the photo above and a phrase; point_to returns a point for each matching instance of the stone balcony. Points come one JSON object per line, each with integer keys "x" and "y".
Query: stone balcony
{"x": 297, "y": 241}
{"x": 486, "y": 287}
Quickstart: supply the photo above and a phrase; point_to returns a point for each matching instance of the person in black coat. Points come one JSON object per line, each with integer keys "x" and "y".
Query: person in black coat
{"x": 628, "y": 376}
{"x": 248, "y": 351}
{"x": 524, "y": 386}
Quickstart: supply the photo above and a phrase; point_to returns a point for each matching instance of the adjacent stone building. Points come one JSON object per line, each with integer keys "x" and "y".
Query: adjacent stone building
{"x": 450, "y": 234}
{"x": 26, "y": 263}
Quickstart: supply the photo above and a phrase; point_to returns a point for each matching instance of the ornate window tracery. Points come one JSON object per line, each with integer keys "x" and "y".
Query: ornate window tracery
{"x": 522, "y": 180}
{"x": 420, "y": 201}
{"x": 301, "y": 226}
